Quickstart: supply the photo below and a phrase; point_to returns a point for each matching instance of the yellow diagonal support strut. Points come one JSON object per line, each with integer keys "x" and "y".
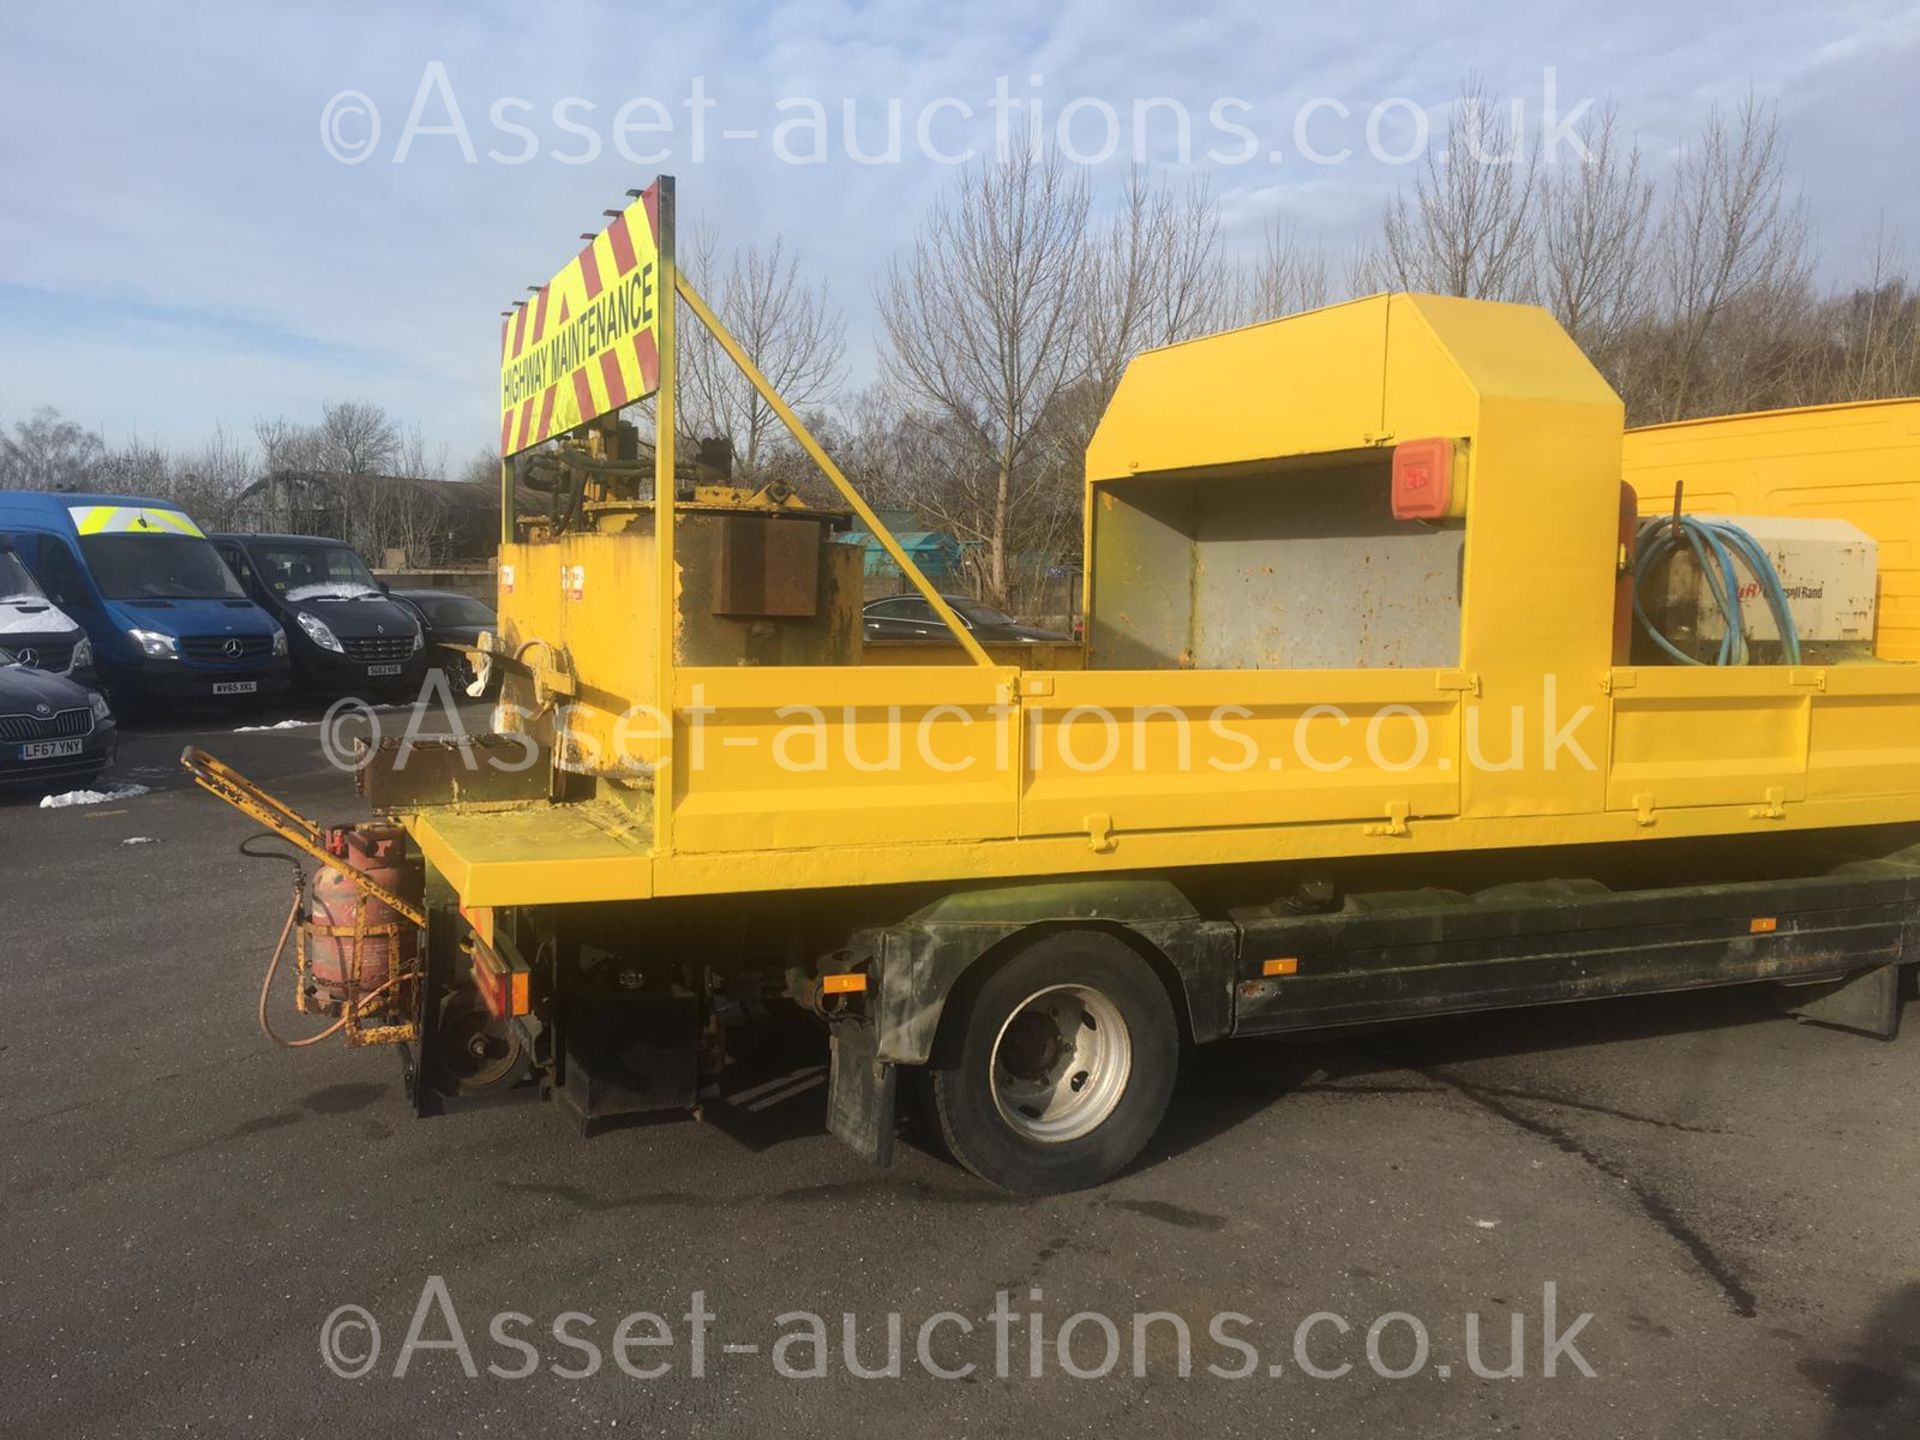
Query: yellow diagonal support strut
{"x": 832, "y": 471}
{"x": 291, "y": 826}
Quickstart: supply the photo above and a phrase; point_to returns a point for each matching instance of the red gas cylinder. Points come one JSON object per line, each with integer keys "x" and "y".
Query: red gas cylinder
{"x": 339, "y": 907}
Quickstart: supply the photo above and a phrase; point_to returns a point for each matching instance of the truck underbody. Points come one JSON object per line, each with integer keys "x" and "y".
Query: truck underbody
{"x": 628, "y": 1006}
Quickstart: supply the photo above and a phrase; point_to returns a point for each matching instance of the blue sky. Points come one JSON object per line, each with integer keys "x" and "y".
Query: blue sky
{"x": 179, "y": 249}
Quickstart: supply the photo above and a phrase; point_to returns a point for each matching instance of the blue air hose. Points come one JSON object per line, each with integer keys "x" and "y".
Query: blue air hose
{"x": 1716, "y": 546}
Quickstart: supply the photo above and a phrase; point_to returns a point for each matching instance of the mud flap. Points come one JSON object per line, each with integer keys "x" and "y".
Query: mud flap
{"x": 861, "y": 1092}
{"x": 1867, "y": 1002}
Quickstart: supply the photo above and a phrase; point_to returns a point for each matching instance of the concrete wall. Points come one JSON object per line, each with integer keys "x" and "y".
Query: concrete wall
{"x": 479, "y": 582}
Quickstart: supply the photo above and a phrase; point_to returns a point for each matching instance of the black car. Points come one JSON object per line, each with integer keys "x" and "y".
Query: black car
{"x": 53, "y": 731}
{"x": 345, "y": 634}
{"x": 449, "y": 618}
{"x": 908, "y": 617}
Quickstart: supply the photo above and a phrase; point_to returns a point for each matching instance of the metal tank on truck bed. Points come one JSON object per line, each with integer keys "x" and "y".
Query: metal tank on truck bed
{"x": 1355, "y": 734}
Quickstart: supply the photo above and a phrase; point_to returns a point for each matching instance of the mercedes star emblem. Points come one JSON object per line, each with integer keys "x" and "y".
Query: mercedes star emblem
{"x": 234, "y": 648}
{"x": 27, "y": 655}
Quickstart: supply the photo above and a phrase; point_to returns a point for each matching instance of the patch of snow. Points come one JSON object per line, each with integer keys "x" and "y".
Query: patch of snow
{"x": 141, "y": 840}
{"x": 329, "y": 590}
{"x": 92, "y": 797}
{"x": 283, "y": 725}
{"x": 1487, "y": 1224}
{"x": 43, "y": 616}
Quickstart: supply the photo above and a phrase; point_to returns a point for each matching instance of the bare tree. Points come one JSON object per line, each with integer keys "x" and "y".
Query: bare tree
{"x": 482, "y": 468}
{"x": 47, "y": 451}
{"x": 287, "y": 445}
{"x": 135, "y": 468}
{"x": 1595, "y": 214}
{"x": 983, "y": 327}
{"x": 1732, "y": 241}
{"x": 1368, "y": 271}
{"x": 208, "y": 481}
{"x": 1875, "y": 328}
{"x": 412, "y": 456}
{"x": 1154, "y": 277}
{"x": 357, "y": 438}
{"x": 792, "y": 331}
{"x": 1469, "y": 229}
{"x": 1287, "y": 277}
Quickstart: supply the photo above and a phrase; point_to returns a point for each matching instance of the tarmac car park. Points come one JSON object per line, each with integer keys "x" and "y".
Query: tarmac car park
{"x": 163, "y": 1157}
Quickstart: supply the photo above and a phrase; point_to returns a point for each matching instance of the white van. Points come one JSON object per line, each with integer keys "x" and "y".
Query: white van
{"x": 33, "y": 629}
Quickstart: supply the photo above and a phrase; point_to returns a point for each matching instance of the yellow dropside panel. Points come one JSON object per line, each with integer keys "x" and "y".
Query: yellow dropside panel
{"x": 1709, "y": 736}
{"x": 1222, "y": 748}
{"x": 1866, "y": 733}
{"x": 793, "y": 757}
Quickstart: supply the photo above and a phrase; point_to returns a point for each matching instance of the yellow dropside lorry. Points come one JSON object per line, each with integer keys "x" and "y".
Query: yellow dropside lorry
{"x": 1368, "y": 724}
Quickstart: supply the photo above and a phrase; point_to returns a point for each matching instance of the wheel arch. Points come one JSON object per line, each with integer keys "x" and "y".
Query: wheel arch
{"x": 960, "y": 938}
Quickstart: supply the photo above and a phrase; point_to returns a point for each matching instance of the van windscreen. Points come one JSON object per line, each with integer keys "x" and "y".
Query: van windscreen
{"x": 131, "y": 566}
{"x": 311, "y": 572}
{"x": 16, "y": 583}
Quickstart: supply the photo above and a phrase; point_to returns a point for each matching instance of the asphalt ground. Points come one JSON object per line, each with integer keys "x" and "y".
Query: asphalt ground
{"x": 1729, "y": 1195}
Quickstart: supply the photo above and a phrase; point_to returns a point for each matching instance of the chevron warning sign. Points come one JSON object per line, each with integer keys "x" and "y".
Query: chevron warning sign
{"x": 589, "y": 341}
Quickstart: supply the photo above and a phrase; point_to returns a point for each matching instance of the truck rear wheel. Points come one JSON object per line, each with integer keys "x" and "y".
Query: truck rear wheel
{"x": 1057, "y": 1065}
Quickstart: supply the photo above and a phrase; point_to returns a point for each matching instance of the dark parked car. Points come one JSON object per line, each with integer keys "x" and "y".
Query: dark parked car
{"x": 908, "y": 617}
{"x": 449, "y": 618}
{"x": 345, "y": 634}
{"x": 53, "y": 731}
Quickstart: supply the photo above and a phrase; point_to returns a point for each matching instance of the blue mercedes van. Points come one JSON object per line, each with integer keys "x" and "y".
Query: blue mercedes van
{"x": 167, "y": 619}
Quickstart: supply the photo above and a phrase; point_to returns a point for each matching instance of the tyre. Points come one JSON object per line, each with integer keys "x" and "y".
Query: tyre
{"x": 1056, "y": 1064}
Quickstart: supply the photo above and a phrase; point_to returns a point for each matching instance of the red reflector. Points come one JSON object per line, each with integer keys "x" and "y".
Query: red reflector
{"x": 503, "y": 987}
{"x": 492, "y": 989}
{"x": 1422, "y": 479}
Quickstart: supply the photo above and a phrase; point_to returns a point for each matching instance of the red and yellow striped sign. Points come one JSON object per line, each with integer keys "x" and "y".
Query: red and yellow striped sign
{"x": 589, "y": 341}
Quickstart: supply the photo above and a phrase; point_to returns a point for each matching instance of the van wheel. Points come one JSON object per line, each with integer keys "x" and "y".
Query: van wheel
{"x": 1058, "y": 1064}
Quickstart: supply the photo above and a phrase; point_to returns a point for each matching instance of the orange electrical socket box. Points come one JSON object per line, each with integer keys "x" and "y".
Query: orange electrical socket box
{"x": 1423, "y": 479}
